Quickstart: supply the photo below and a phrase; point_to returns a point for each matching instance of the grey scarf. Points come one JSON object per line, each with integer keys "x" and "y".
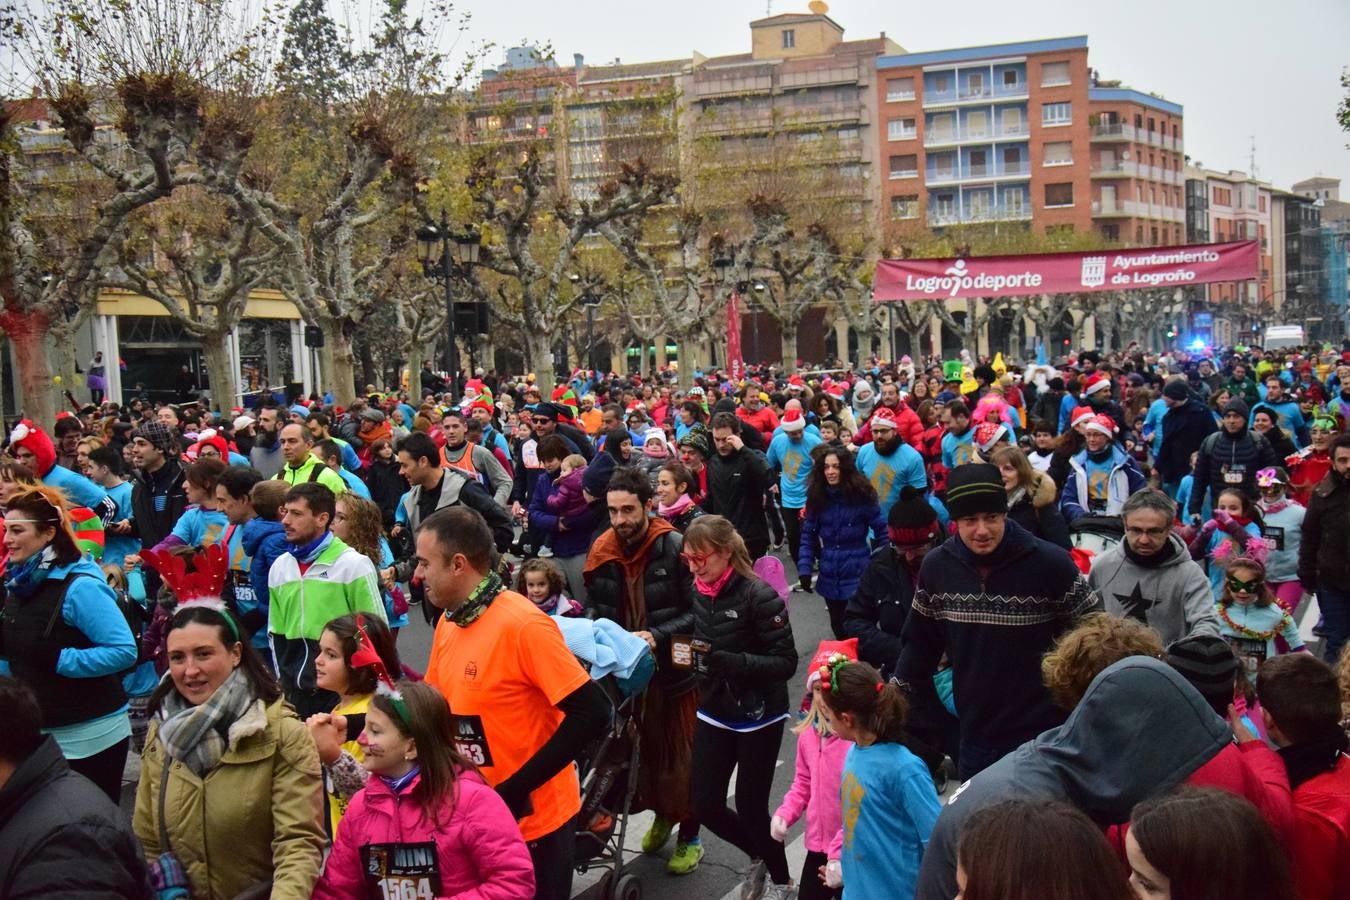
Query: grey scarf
{"x": 198, "y": 736}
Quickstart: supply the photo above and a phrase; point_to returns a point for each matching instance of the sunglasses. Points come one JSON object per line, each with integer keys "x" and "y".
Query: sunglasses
{"x": 1237, "y": 585}
{"x": 695, "y": 560}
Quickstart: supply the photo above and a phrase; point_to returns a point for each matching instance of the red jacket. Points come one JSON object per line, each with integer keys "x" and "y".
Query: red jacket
{"x": 906, "y": 422}
{"x": 764, "y": 420}
{"x": 1321, "y": 851}
{"x": 1254, "y": 771}
{"x": 930, "y": 448}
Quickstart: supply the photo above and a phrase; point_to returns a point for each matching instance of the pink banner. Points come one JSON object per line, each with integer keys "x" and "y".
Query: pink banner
{"x": 1065, "y": 273}
{"x": 735, "y": 361}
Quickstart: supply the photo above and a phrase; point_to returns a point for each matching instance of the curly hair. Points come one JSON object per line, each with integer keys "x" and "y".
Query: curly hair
{"x": 364, "y": 524}
{"x": 1081, "y": 654}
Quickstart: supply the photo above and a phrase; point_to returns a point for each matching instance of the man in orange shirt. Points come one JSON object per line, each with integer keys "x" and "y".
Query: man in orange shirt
{"x": 590, "y": 418}
{"x": 522, "y": 706}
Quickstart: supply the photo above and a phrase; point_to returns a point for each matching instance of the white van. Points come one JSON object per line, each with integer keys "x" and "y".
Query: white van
{"x": 1280, "y": 336}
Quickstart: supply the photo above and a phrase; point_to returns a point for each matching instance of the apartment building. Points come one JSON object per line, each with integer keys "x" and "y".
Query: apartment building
{"x": 1237, "y": 207}
{"x": 1024, "y": 132}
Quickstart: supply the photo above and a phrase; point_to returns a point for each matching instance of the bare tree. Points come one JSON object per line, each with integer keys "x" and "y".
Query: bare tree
{"x": 534, "y": 240}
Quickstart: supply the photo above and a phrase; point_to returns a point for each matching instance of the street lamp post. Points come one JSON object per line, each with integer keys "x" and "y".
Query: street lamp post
{"x": 466, "y": 246}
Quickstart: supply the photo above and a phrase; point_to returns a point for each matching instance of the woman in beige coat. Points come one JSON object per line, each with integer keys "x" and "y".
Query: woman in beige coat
{"x": 230, "y": 776}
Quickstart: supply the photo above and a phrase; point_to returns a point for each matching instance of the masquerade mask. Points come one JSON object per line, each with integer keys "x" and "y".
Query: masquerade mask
{"x": 1237, "y": 585}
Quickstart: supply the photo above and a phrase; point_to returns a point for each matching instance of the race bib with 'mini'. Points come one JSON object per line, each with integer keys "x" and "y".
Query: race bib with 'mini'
{"x": 402, "y": 871}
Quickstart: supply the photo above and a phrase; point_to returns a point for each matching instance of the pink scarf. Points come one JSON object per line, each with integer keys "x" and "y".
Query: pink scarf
{"x": 674, "y": 509}
{"x": 710, "y": 589}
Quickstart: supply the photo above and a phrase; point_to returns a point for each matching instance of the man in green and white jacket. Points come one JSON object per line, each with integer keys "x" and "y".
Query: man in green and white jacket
{"x": 318, "y": 580}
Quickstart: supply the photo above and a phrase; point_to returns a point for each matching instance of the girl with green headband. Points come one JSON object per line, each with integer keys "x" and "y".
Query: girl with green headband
{"x": 426, "y": 824}
{"x": 229, "y": 798}
{"x": 1311, "y": 464}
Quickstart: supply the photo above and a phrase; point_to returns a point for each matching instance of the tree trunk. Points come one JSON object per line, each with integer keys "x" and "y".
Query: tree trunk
{"x": 335, "y": 365}
{"x": 38, "y": 398}
{"x": 63, "y": 345}
{"x": 414, "y": 366}
{"x": 220, "y": 370}
{"x": 539, "y": 355}
{"x": 688, "y": 361}
{"x": 368, "y": 373}
{"x": 789, "y": 347}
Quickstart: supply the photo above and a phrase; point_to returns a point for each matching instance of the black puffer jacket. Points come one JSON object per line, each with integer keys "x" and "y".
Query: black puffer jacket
{"x": 1324, "y": 553}
{"x": 668, "y": 590}
{"x": 876, "y": 614}
{"x": 737, "y": 485}
{"x": 752, "y": 655}
{"x": 62, "y": 837}
{"x": 1223, "y": 455}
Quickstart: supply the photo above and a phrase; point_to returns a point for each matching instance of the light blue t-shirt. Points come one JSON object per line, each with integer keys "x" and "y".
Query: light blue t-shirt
{"x": 1153, "y": 424}
{"x": 958, "y": 449}
{"x": 117, "y": 547}
{"x": 889, "y": 810}
{"x": 889, "y": 474}
{"x": 793, "y": 460}
{"x": 355, "y": 484}
{"x": 198, "y": 527}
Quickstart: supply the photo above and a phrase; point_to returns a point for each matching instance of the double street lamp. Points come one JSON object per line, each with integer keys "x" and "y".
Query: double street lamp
{"x": 461, "y": 249}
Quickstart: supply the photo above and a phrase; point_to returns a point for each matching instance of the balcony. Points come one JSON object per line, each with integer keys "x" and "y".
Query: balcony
{"x": 996, "y": 213}
{"x": 1113, "y": 131}
{"x": 995, "y": 171}
{"x": 974, "y": 96}
{"x": 958, "y": 136}
{"x": 1135, "y": 209}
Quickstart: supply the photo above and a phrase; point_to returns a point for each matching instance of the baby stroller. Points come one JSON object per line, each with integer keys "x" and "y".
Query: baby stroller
{"x": 1092, "y": 536}
{"x": 608, "y": 773}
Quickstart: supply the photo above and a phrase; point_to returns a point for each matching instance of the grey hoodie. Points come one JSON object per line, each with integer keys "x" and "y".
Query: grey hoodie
{"x": 1173, "y": 598}
{"x": 1138, "y": 703}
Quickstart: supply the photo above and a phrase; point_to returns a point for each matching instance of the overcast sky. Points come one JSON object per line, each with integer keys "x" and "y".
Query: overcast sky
{"x": 1241, "y": 69}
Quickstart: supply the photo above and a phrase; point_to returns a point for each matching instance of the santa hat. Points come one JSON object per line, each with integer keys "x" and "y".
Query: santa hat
{"x": 836, "y": 390}
{"x": 793, "y": 421}
{"x": 796, "y": 382}
{"x": 1102, "y": 423}
{"x": 1096, "y": 382}
{"x": 1080, "y": 415}
{"x": 824, "y": 651}
{"x": 35, "y": 441}
{"x": 987, "y": 434}
{"x": 884, "y": 418}
{"x": 481, "y": 404}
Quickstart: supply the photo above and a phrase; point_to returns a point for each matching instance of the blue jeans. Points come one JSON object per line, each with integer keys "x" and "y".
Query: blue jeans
{"x": 1334, "y": 603}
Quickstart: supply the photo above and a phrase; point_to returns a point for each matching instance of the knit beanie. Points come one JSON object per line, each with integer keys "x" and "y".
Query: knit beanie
{"x": 1208, "y": 663}
{"x": 156, "y": 434}
{"x": 912, "y": 520}
{"x": 35, "y": 441}
{"x": 697, "y": 439}
{"x": 1236, "y": 405}
{"x": 975, "y": 488}
{"x": 1176, "y": 390}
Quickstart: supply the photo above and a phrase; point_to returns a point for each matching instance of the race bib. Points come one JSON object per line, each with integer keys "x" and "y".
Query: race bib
{"x": 1274, "y": 537}
{"x": 243, "y": 589}
{"x": 471, "y": 740}
{"x": 681, "y": 651}
{"x": 1251, "y": 652}
{"x": 1234, "y": 474}
{"x": 402, "y": 871}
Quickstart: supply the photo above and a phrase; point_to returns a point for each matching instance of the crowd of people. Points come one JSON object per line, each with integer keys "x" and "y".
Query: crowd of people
{"x": 1078, "y": 589}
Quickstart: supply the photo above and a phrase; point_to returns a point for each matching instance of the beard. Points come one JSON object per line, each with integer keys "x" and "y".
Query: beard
{"x": 887, "y": 446}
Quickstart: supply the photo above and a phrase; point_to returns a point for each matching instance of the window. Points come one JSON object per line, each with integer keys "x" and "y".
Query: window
{"x": 942, "y": 126}
{"x": 940, "y": 83}
{"x": 1054, "y": 73}
{"x": 1150, "y": 123}
{"x": 1010, "y": 78}
{"x": 975, "y": 84}
{"x": 1111, "y": 232}
{"x": 899, "y": 89}
{"x": 789, "y": 38}
{"x": 900, "y": 129}
{"x": 979, "y": 163}
{"x": 1108, "y": 201}
{"x": 1012, "y": 161}
{"x": 1223, "y": 197}
{"x": 1011, "y": 119}
{"x": 1014, "y": 201}
{"x": 943, "y": 205}
{"x": 906, "y": 166}
{"x": 1261, "y": 204}
{"x": 1059, "y": 153}
{"x": 1056, "y": 113}
{"x": 977, "y": 123}
{"x": 1059, "y": 194}
{"x": 905, "y": 207}
{"x": 980, "y": 204}
{"x": 944, "y": 165}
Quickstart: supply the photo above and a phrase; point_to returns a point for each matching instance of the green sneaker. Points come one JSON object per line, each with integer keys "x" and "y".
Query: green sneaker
{"x": 686, "y": 857}
{"x": 657, "y": 835}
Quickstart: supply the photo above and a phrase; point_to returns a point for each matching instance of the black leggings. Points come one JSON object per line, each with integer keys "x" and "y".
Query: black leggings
{"x": 810, "y": 887}
{"x": 836, "y": 609}
{"x": 104, "y": 769}
{"x": 753, "y": 754}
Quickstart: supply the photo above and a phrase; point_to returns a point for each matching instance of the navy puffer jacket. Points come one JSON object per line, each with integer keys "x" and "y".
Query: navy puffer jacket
{"x": 837, "y": 536}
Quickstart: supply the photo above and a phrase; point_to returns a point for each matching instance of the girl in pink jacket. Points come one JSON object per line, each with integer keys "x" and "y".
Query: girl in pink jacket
{"x": 815, "y": 786}
{"x": 425, "y": 825}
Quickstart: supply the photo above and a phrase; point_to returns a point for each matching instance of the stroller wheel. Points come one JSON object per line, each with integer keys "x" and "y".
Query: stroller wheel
{"x": 628, "y": 888}
{"x": 605, "y": 887}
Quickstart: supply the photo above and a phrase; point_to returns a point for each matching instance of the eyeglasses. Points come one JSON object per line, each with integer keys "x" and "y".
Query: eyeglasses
{"x": 1146, "y": 532}
{"x": 1237, "y": 585}
{"x": 695, "y": 560}
{"x": 541, "y": 420}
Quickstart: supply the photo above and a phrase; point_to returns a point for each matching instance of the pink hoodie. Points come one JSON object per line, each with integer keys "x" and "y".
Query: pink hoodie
{"x": 815, "y": 788}
{"x": 479, "y": 848}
